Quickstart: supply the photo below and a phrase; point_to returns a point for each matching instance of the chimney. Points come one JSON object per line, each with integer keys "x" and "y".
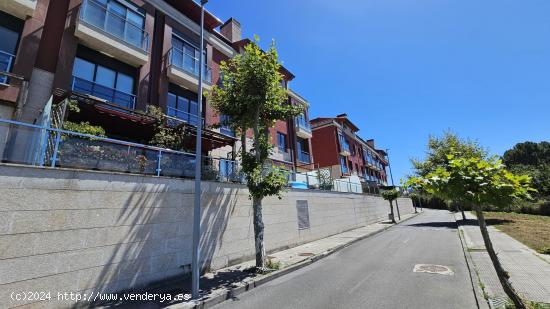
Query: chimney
{"x": 231, "y": 30}
{"x": 370, "y": 142}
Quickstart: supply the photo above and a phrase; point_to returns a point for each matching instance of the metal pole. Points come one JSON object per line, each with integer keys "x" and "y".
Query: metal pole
{"x": 195, "y": 271}
{"x": 393, "y": 185}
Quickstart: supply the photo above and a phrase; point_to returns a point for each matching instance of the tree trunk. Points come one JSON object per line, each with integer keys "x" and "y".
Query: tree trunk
{"x": 259, "y": 233}
{"x": 501, "y": 273}
{"x": 397, "y": 207}
{"x": 414, "y": 204}
{"x": 462, "y": 211}
{"x": 392, "y": 215}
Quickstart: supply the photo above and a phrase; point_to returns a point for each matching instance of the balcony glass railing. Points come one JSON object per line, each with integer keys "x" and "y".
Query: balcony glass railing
{"x": 304, "y": 157}
{"x": 96, "y": 14}
{"x": 303, "y": 124}
{"x": 189, "y": 118}
{"x": 117, "y": 97}
{"x": 6, "y": 63}
{"x": 188, "y": 63}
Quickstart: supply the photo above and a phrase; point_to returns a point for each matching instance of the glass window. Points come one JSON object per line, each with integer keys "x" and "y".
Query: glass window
{"x": 105, "y": 77}
{"x": 84, "y": 69}
{"x": 343, "y": 164}
{"x": 281, "y": 141}
{"x": 125, "y": 83}
{"x": 8, "y": 40}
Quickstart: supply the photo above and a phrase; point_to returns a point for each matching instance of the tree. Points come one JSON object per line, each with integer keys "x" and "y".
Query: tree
{"x": 436, "y": 156}
{"x": 252, "y": 98}
{"x": 480, "y": 182}
{"x": 532, "y": 159}
{"x": 390, "y": 196}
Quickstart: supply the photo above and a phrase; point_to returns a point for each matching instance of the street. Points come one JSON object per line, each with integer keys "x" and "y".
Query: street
{"x": 378, "y": 273}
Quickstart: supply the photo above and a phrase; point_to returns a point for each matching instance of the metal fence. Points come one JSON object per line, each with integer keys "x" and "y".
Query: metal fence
{"x": 29, "y": 144}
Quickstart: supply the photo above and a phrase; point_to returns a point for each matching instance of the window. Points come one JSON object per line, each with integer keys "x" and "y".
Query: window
{"x": 281, "y": 141}
{"x": 10, "y": 29}
{"x": 119, "y": 18}
{"x": 103, "y": 82}
{"x": 183, "y": 105}
{"x": 343, "y": 165}
{"x": 224, "y": 128}
{"x": 186, "y": 55}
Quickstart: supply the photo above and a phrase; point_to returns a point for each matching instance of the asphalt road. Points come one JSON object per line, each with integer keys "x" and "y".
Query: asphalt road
{"x": 378, "y": 273}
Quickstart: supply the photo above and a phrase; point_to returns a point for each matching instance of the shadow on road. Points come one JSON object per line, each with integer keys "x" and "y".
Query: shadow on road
{"x": 443, "y": 224}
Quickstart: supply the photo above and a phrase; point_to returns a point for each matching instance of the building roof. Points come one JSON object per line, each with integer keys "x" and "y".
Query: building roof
{"x": 193, "y": 10}
{"x": 342, "y": 119}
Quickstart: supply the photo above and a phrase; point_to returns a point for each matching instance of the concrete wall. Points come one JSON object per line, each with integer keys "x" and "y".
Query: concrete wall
{"x": 65, "y": 230}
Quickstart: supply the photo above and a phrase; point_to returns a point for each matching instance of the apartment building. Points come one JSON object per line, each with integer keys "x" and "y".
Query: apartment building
{"x": 118, "y": 57}
{"x": 338, "y": 147}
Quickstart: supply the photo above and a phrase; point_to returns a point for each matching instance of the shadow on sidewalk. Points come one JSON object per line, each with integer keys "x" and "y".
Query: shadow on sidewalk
{"x": 175, "y": 287}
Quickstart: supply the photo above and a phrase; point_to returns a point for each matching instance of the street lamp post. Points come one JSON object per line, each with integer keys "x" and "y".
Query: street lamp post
{"x": 393, "y": 185}
{"x": 195, "y": 268}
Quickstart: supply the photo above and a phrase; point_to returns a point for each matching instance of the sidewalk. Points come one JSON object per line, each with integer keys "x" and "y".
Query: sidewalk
{"x": 529, "y": 271}
{"x": 229, "y": 282}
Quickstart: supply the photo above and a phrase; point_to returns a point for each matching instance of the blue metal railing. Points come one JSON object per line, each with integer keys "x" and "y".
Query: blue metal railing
{"x": 117, "y": 97}
{"x": 30, "y": 144}
{"x": 96, "y": 14}
{"x": 188, "y": 63}
{"x": 304, "y": 157}
{"x": 303, "y": 124}
{"x": 6, "y": 63}
{"x": 183, "y": 116}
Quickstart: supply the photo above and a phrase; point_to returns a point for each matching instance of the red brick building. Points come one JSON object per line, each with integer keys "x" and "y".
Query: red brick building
{"x": 337, "y": 146}
{"x": 116, "y": 58}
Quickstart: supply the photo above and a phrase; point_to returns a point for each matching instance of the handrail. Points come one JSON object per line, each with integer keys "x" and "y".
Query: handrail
{"x": 112, "y": 98}
{"x": 85, "y": 17}
{"x": 7, "y": 67}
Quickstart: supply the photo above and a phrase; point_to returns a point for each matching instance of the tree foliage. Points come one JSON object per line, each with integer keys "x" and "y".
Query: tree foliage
{"x": 532, "y": 159}
{"x": 390, "y": 195}
{"x": 439, "y": 147}
{"x": 474, "y": 180}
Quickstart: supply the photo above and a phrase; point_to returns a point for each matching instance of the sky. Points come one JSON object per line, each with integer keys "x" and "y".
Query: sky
{"x": 404, "y": 70}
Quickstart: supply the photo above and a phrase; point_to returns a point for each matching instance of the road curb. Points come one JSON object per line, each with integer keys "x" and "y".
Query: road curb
{"x": 481, "y": 302}
{"x": 251, "y": 283}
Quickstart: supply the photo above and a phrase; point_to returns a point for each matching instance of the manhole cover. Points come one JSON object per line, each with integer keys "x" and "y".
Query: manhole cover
{"x": 433, "y": 269}
{"x": 306, "y": 254}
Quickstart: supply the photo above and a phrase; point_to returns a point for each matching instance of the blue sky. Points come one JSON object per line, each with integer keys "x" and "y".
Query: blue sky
{"x": 404, "y": 69}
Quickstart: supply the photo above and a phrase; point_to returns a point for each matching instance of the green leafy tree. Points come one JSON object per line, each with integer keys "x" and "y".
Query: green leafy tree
{"x": 253, "y": 99}
{"x": 436, "y": 156}
{"x": 390, "y": 196}
{"x": 532, "y": 159}
{"x": 480, "y": 182}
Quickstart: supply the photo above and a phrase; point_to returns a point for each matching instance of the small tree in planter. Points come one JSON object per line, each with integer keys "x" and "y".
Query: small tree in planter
{"x": 479, "y": 182}
{"x": 390, "y": 196}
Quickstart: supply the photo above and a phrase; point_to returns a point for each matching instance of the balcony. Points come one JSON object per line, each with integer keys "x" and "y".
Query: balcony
{"x": 18, "y": 8}
{"x": 112, "y": 34}
{"x": 304, "y": 157}
{"x": 344, "y": 148}
{"x": 281, "y": 155}
{"x": 182, "y": 116}
{"x": 183, "y": 69}
{"x": 303, "y": 128}
{"x": 6, "y": 63}
{"x": 117, "y": 97}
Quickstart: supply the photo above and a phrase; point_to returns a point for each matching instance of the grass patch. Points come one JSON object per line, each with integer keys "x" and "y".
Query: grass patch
{"x": 532, "y": 230}
{"x": 271, "y": 264}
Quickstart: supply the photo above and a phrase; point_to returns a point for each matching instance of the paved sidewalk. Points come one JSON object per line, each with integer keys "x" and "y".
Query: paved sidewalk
{"x": 529, "y": 271}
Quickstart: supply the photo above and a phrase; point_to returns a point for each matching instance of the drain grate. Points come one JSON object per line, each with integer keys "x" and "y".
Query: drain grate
{"x": 433, "y": 269}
